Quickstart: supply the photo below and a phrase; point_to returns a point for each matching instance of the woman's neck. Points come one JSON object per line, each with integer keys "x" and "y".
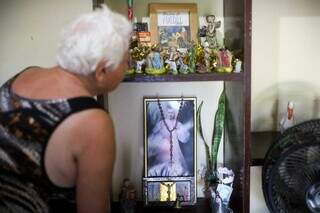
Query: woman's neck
{"x": 81, "y": 83}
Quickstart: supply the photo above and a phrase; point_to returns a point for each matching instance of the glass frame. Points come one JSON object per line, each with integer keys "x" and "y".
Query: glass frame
{"x": 173, "y": 8}
{"x": 178, "y": 167}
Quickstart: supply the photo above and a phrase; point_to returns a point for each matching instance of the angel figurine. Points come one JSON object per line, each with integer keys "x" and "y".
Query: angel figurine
{"x": 127, "y": 197}
{"x": 210, "y": 31}
{"x": 172, "y": 60}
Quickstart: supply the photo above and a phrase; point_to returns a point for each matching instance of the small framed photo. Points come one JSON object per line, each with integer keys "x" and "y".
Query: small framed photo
{"x": 164, "y": 191}
{"x": 173, "y": 25}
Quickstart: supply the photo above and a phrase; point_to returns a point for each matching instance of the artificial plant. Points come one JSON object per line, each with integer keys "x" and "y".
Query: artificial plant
{"x": 218, "y": 127}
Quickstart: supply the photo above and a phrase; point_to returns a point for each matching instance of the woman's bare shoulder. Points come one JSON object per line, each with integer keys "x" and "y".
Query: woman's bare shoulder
{"x": 86, "y": 129}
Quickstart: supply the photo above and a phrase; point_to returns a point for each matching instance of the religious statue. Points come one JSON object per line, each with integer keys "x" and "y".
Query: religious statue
{"x": 287, "y": 120}
{"x": 209, "y": 31}
{"x": 192, "y": 57}
{"x": 155, "y": 65}
{"x": 224, "y": 60}
{"x": 172, "y": 60}
{"x": 139, "y": 54}
{"x": 156, "y": 59}
{"x": 200, "y": 59}
{"x": 127, "y": 197}
{"x": 237, "y": 65}
{"x": 211, "y": 37}
{"x": 183, "y": 61}
{"x": 167, "y": 191}
{"x": 208, "y": 52}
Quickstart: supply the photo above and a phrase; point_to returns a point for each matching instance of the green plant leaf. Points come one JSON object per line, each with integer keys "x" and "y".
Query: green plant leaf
{"x": 218, "y": 130}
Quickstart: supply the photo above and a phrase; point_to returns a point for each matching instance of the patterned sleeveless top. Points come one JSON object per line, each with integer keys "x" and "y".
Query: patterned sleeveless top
{"x": 25, "y": 128}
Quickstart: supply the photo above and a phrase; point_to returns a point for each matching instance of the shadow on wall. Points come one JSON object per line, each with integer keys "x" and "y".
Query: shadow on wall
{"x": 270, "y": 105}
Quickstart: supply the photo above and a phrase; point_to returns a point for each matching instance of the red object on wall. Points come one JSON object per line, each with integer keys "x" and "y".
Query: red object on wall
{"x": 130, "y": 13}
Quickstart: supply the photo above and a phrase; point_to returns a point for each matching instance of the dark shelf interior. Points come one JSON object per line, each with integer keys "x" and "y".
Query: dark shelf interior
{"x": 202, "y": 205}
{"x": 185, "y": 77}
{"x": 260, "y": 143}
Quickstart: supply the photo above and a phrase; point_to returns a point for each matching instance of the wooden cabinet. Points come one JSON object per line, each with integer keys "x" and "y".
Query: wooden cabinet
{"x": 237, "y": 143}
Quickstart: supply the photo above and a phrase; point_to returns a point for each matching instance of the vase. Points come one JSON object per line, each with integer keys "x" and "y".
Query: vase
{"x": 217, "y": 205}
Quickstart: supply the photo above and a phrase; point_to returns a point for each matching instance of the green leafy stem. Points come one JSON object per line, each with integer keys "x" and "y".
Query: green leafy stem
{"x": 218, "y": 128}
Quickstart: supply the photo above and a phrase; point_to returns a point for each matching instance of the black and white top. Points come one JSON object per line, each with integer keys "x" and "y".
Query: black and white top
{"x": 25, "y": 128}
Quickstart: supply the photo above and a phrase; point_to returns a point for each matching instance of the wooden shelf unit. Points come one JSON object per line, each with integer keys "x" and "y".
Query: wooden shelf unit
{"x": 237, "y": 135}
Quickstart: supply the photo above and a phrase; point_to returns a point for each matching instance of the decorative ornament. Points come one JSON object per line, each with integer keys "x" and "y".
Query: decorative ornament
{"x": 139, "y": 54}
{"x": 287, "y": 120}
{"x": 200, "y": 59}
{"x": 192, "y": 58}
{"x": 130, "y": 10}
{"x": 155, "y": 65}
{"x": 224, "y": 63}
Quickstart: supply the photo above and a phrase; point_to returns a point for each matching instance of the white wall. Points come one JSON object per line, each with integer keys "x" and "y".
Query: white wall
{"x": 140, "y": 7}
{"x": 285, "y": 56}
{"x": 30, "y": 30}
{"x": 285, "y": 52}
{"x": 257, "y": 202}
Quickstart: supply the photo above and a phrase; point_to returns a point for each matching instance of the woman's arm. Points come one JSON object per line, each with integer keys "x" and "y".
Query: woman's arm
{"x": 95, "y": 161}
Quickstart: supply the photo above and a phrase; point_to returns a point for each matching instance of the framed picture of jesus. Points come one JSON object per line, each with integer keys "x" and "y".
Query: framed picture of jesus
{"x": 169, "y": 137}
{"x": 170, "y": 150}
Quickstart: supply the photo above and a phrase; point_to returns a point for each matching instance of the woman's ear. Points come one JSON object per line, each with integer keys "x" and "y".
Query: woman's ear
{"x": 101, "y": 71}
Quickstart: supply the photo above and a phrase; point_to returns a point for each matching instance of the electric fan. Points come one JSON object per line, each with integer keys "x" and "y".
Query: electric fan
{"x": 291, "y": 172}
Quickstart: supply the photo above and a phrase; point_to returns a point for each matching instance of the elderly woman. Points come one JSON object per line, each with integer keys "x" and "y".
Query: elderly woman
{"x": 56, "y": 143}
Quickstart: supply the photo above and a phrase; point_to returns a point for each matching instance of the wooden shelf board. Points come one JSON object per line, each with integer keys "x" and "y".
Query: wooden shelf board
{"x": 186, "y": 77}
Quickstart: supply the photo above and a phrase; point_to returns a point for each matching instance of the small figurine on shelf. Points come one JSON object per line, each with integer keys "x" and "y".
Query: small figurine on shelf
{"x": 288, "y": 119}
{"x": 140, "y": 66}
{"x": 208, "y": 56}
{"x": 139, "y": 54}
{"x": 224, "y": 57}
{"x": 237, "y": 65}
{"x": 178, "y": 201}
{"x": 132, "y": 62}
{"x": 172, "y": 60}
{"x": 200, "y": 59}
{"x": 155, "y": 64}
{"x": 183, "y": 62}
{"x": 209, "y": 31}
{"x": 213, "y": 61}
{"x": 192, "y": 57}
{"x": 127, "y": 197}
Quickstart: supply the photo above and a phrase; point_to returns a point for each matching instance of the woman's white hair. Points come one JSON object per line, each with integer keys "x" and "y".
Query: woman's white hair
{"x": 102, "y": 35}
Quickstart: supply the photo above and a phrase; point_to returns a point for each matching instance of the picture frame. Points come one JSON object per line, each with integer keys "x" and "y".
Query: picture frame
{"x": 169, "y": 150}
{"x": 162, "y": 191}
{"x": 173, "y": 24}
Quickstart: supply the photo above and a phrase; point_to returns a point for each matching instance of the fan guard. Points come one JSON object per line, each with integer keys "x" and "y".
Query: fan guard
{"x": 291, "y": 173}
